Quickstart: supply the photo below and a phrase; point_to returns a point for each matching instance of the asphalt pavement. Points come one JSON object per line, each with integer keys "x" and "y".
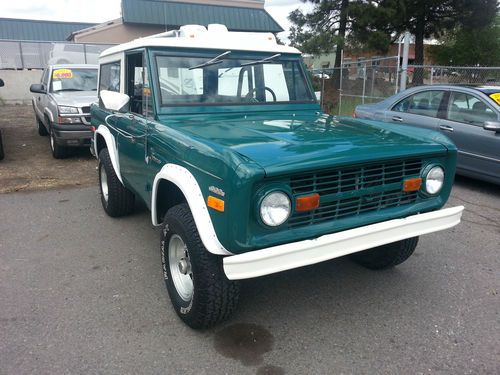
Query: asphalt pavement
{"x": 82, "y": 293}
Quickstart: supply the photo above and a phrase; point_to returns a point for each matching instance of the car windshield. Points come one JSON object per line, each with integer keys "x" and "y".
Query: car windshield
{"x": 70, "y": 79}
{"x": 226, "y": 80}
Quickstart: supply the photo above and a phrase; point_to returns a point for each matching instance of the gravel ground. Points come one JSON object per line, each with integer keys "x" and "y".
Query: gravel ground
{"x": 81, "y": 293}
{"x": 28, "y": 163}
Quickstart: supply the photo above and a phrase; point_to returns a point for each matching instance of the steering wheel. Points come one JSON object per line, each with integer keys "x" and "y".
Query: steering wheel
{"x": 252, "y": 91}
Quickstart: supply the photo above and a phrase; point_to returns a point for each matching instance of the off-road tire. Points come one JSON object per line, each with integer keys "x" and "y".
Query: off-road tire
{"x": 42, "y": 131}
{"x": 386, "y": 256}
{"x": 214, "y": 297}
{"x": 120, "y": 201}
{"x": 2, "y": 155}
{"x": 58, "y": 152}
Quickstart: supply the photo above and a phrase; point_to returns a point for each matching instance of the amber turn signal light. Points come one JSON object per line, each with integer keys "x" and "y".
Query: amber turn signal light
{"x": 307, "y": 203}
{"x": 412, "y": 184}
{"x": 215, "y": 203}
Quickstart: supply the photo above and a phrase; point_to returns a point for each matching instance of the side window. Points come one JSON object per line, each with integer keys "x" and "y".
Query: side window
{"x": 110, "y": 77}
{"x": 274, "y": 79}
{"x": 424, "y": 103}
{"x": 469, "y": 109}
{"x": 137, "y": 87}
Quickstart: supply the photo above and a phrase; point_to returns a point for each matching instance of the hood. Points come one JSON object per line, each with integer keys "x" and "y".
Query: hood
{"x": 280, "y": 142}
{"x": 75, "y": 98}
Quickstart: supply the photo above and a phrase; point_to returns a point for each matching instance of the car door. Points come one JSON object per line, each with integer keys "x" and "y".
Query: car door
{"x": 134, "y": 125}
{"x": 478, "y": 148}
{"x": 420, "y": 109}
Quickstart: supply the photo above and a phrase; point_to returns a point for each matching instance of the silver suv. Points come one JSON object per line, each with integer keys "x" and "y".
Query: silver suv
{"x": 62, "y": 102}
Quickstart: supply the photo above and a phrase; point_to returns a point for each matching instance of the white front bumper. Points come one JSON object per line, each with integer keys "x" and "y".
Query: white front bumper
{"x": 293, "y": 255}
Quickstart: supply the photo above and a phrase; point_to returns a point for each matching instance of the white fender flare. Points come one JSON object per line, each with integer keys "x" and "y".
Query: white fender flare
{"x": 186, "y": 182}
{"x": 112, "y": 149}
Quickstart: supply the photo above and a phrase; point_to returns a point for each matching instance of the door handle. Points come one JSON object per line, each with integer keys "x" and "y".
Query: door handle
{"x": 397, "y": 118}
{"x": 446, "y": 128}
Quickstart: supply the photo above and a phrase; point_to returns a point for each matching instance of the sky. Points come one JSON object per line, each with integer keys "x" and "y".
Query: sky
{"x": 104, "y": 10}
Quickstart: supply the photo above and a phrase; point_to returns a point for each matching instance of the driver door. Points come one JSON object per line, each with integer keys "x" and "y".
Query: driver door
{"x": 134, "y": 124}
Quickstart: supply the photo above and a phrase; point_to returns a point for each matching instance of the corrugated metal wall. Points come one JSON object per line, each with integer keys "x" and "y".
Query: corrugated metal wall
{"x": 174, "y": 14}
{"x": 51, "y": 31}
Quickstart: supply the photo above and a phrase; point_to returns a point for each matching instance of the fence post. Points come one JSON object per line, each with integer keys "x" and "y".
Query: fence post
{"x": 406, "y": 51}
{"x": 85, "y": 53}
{"x": 341, "y": 78}
{"x": 21, "y": 54}
{"x": 364, "y": 85}
{"x": 322, "y": 88}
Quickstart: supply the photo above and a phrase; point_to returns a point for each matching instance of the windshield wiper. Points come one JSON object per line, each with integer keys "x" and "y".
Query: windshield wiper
{"x": 215, "y": 60}
{"x": 270, "y": 58}
{"x": 70, "y": 90}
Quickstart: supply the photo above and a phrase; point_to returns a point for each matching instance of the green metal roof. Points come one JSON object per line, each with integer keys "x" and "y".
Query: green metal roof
{"x": 52, "y": 31}
{"x": 169, "y": 13}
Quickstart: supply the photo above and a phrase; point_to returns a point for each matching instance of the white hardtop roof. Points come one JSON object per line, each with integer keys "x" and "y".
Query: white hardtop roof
{"x": 216, "y": 37}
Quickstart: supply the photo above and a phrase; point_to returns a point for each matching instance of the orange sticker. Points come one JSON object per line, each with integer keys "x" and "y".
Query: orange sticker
{"x": 496, "y": 97}
{"x": 62, "y": 74}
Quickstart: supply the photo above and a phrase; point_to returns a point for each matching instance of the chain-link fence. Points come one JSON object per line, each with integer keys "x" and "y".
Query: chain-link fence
{"x": 37, "y": 55}
{"x": 359, "y": 82}
{"x": 368, "y": 81}
{"x": 452, "y": 75}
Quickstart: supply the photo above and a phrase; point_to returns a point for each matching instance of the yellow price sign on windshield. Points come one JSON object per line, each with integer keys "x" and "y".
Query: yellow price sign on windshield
{"x": 62, "y": 74}
{"x": 496, "y": 97}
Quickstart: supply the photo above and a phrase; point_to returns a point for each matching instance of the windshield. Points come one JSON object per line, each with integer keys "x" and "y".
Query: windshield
{"x": 74, "y": 80}
{"x": 185, "y": 81}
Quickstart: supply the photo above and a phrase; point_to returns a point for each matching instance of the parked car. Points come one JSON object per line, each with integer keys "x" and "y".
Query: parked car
{"x": 2, "y": 155}
{"x": 225, "y": 143}
{"x": 469, "y": 116}
{"x": 62, "y": 106}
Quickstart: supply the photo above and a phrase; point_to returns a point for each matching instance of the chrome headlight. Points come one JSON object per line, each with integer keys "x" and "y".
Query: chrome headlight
{"x": 434, "y": 180}
{"x": 67, "y": 110}
{"x": 275, "y": 208}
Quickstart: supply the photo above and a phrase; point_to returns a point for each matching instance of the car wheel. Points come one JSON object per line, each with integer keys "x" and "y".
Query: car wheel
{"x": 41, "y": 127}
{"x": 200, "y": 292}
{"x": 386, "y": 256}
{"x": 58, "y": 152}
{"x": 2, "y": 155}
{"x": 116, "y": 199}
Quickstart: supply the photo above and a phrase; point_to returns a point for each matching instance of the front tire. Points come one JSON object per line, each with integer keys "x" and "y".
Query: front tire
{"x": 116, "y": 199}
{"x": 386, "y": 256}
{"x": 42, "y": 131}
{"x": 58, "y": 152}
{"x": 199, "y": 290}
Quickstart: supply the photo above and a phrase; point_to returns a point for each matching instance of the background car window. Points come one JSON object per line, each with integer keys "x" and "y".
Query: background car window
{"x": 110, "y": 77}
{"x": 424, "y": 103}
{"x": 469, "y": 109}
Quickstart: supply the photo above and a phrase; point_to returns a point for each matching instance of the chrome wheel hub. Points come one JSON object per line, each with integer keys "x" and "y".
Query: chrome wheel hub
{"x": 180, "y": 267}
{"x": 104, "y": 184}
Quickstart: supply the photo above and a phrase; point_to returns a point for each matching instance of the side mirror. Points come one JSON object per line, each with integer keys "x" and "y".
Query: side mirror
{"x": 115, "y": 101}
{"x": 2, "y": 84}
{"x": 493, "y": 126}
{"x": 38, "y": 88}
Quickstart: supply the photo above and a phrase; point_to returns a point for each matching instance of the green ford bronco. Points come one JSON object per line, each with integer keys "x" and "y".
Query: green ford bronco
{"x": 220, "y": 135}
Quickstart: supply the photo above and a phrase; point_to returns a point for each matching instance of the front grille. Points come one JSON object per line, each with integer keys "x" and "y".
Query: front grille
{"x": 352, "y": 191}
{"x": 85, "y": 109}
